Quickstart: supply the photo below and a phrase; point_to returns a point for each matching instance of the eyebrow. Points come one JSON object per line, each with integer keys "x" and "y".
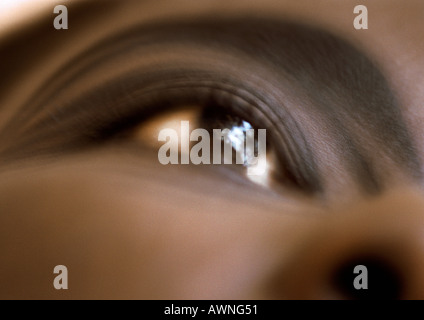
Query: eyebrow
{"x": 341, "y": 83}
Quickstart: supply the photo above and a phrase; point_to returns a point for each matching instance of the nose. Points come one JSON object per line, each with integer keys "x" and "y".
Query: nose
{"x": 374, "y": 250}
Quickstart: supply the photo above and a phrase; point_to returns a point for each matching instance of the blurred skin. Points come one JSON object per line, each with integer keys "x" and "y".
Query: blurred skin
{"x": 128, "y": 227}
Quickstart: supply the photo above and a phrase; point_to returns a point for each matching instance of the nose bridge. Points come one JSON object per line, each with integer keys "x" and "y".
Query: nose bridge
{"x": 384, "y": 235}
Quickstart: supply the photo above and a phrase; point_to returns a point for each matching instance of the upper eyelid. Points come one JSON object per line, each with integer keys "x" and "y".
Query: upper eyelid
{"x": 132, "y": 105}
{"x": 70, "y": 74}
{"x": 61, "y": 117}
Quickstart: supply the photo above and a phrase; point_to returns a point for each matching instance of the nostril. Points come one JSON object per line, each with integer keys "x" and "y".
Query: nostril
{"x": 389, "y": 244}
{"x": 384, "y": 279}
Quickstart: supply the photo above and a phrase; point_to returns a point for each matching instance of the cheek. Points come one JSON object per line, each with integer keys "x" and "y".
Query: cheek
{"x": 122, "y": 235}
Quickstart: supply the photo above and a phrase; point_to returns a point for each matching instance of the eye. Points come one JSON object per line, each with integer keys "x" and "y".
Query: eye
{"x": 231, "y": 141}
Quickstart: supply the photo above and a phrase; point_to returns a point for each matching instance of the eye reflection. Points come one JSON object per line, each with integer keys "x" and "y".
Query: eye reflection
{"x": 239, "y": 132}
{"x": 236, "y": 138}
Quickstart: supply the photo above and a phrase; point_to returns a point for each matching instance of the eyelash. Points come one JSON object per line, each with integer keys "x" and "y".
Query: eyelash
{"x": 217, "y": 98}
